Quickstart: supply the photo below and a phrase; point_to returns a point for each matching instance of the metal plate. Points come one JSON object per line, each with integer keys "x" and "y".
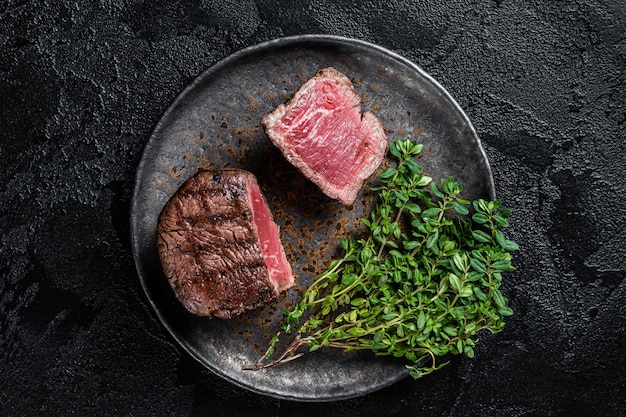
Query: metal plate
{"x": 215, "y": 123}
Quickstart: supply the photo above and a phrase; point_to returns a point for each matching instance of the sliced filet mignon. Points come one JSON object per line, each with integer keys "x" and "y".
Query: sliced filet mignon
{"x": 322, "y": 132}
{"x": 219, "y": 246}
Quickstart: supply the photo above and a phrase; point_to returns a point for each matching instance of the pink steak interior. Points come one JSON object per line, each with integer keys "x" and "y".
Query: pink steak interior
{"x": 326, "y": 114}
{"x": 273, "y": 252}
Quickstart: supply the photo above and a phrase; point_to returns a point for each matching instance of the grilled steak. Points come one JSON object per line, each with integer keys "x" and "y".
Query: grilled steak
{"x": 322, "y": 132}
{"x": 219, "y": 246}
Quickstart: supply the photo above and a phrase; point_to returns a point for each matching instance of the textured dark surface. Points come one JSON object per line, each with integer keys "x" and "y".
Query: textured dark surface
{"x": 82, "y": 86}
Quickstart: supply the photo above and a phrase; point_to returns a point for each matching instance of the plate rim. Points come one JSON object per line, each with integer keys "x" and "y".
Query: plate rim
{"x": 172, "y": 106}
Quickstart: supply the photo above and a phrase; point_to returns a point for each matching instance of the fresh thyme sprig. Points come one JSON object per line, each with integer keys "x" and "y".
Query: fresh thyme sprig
{"x": 422, "y": 284}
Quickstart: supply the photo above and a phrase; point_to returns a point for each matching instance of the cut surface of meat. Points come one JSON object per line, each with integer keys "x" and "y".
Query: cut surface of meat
{"x": 219, "y": 246}
{"x": 273, "y": 252}
{"x": 322, "y": 132}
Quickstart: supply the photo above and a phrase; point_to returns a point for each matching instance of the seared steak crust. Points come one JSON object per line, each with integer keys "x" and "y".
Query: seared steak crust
{"x": 209, "y": 245}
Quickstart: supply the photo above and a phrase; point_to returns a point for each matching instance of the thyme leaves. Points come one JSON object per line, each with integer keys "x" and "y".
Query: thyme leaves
{"x": 420, "y": 286}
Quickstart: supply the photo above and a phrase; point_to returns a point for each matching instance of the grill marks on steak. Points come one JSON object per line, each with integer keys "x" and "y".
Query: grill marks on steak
{"x": 219, "y": 245}
{"x": 322, "y": 132}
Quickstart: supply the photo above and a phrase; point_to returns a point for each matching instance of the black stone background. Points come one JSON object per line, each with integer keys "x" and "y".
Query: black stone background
{"x": 83, "y": 83}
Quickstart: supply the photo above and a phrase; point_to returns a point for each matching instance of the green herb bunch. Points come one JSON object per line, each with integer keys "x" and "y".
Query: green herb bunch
{"x": 421, "y": 285}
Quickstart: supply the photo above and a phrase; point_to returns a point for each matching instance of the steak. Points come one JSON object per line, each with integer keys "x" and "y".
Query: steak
{"x": 323, "y": 133}
{"x": 219, "y": 246}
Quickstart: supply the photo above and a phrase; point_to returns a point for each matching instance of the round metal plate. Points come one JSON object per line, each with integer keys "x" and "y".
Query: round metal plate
{"x": 215, "y": 123}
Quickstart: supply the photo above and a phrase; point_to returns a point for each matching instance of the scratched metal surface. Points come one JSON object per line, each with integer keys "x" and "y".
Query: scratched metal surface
{"x": 214, "y": 123}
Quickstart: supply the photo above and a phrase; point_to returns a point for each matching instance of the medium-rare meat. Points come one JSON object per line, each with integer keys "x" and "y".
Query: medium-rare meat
{"x": 219, "y": 246}
{"x": 322, "y": 132}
